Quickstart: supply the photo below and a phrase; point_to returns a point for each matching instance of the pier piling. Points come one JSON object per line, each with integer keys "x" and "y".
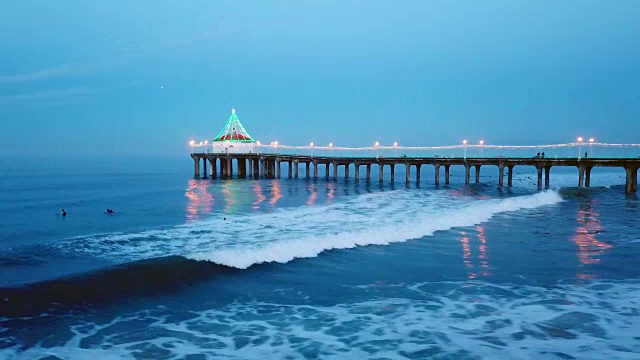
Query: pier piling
{"x": 539, "y": 170}
{"x": 269, "y": 166}
{"x": 196, "y": 167}
{"x": 546, "y": 176}
{"x": 510, "y": 176}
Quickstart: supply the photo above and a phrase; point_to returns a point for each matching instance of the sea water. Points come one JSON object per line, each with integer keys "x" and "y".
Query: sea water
{"x": 303, "y": 268}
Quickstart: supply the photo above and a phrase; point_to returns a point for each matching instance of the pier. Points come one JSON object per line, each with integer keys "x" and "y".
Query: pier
{"x": 269, "y": 166}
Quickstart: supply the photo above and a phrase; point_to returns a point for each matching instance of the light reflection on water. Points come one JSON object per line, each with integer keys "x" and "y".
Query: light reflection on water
{"x": 313, "y": 190}
{"x": 467, "y": 253}
{"x": 484, "y": 259}
{"x": 200, "y": 200}
{"x": 276, "y": 192}
{"x": 589, "y": 248}
{"x": 229, "y": 192}
{"x": 257, "y": 191}
{"x": 331, "y": 191}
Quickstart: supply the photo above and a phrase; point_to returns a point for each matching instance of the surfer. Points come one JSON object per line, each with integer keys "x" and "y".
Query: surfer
{"x": 63, "y": 213}
{"x": 110, "y": 212}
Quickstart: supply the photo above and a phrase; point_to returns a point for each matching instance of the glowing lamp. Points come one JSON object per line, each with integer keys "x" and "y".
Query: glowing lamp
{"x": 258, "y": 143}
{"x": 464, "y": 142}
{"x": 377, "y": 143}
{"x": 395, "y": 144}
{"x": 580, "y": 139}
{"x": 330, "y": 144}
{"x": 311, "y": 144}
{"x": 481, "y": 142}
{"x": 592, "y": 140}
{"x": 192, "y": 143}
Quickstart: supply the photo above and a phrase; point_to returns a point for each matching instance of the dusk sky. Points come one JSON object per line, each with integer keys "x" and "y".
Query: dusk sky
{"x": 143, "y": 77}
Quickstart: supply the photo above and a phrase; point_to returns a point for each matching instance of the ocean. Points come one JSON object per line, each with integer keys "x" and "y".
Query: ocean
{"x": 313, "y": 269}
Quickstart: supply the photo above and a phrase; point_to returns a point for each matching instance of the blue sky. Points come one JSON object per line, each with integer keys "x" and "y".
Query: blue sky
{"x": 144, "y": 77}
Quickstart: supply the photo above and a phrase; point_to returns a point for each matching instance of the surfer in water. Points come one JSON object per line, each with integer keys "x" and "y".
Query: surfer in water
{"x": 110, "y": 212}
{"x": 63, "y": 213}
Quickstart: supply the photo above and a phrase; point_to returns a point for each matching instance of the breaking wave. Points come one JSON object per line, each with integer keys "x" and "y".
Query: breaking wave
{"x": 291, "y": 233}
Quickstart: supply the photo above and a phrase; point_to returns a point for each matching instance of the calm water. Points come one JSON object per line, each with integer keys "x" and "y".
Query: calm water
{"x": 313, "y": 269}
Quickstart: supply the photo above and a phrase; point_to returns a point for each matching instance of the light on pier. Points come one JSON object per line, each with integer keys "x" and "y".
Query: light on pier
{"x": 464, "y": 142}
{"x": 579, "y": 147}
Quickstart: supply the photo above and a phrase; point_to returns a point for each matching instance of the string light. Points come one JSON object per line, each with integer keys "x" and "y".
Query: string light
{"x": 442, "y": 147}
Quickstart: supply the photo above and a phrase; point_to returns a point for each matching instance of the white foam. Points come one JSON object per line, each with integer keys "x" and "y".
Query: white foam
{"x": 290, "y": 233}
{"x": 458, "y": 319}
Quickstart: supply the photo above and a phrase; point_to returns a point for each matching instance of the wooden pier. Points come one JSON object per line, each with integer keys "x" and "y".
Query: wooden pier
{"x": 270, "y": 166}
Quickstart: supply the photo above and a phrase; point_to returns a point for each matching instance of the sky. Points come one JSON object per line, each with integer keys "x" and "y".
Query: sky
{"x": 146, "y": 77}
